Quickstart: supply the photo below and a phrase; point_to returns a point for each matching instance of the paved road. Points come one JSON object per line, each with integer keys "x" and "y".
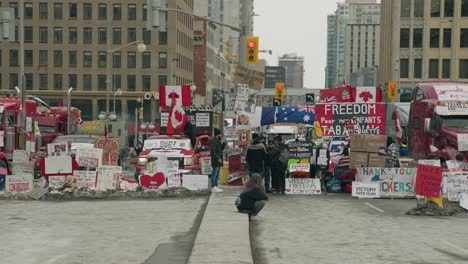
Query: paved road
{"x": 340, "y": 229}
{"x": 157, "y": 231}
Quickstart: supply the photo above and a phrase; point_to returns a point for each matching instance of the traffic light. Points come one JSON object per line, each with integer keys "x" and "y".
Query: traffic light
{"x": 279, "y": 90}
{"x": 156, "y": 15}
{"x": 252, "y": 50}
{"x": 392, "y": 91}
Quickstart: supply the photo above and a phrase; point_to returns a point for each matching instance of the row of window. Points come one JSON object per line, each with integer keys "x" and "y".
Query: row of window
{"x": 438, "y": 7}
{"x": 73, "y": 11}
{"x": 433, "y": 68}
{"x": 434, "y": 39}
{"x": 87, "y": 35}
{"x": 58, "y": 83}
{"x": 43, "y": 59}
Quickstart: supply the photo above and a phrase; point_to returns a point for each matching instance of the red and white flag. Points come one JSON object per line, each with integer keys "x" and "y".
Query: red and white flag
{"x": 368, "y": 95}
{"x": 180, "y": 93}
{"x": 178, "y": 118}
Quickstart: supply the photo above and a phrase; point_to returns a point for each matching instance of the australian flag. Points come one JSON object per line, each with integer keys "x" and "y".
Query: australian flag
{"x": 304, "y": 114}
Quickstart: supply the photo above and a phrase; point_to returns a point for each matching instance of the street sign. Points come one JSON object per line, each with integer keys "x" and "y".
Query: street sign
{"x": 276, "y": 102}
{"x": 310, "y": 98}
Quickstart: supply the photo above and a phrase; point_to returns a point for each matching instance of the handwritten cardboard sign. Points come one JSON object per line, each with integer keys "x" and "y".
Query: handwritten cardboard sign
{"x": 454, "y": 185}
{"x": 300, "y": 167}
{"x": 20, "y": 157}
{"x": 394, "y": 182}
{"x": 302, "y": 186}
{"x": 206, "y": 165}
{"x": 453, "y": 166}
{"x": 366, "y": 189}
{"x": 56, "y": 182}
{"x": 428, "y": 180}
{"x": 58, "y": 164}
{"x": 128, "y": 185}
{"x": 19, "y": 183}
{"x": 195, "y": 182}
{"x": 172, "y": 173}
{"x": 85, "y": 179}
{"x": 108, "y": 177}
{"x": 89, "y": 157}
{"x": 110, "y": 150}
{"x": 430, "y": 162}
{"x": 22, "y": 168}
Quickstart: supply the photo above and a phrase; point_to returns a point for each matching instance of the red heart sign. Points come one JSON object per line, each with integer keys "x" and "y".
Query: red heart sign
{"x": 317, "y": 191}
{"x": 152, "y": 182}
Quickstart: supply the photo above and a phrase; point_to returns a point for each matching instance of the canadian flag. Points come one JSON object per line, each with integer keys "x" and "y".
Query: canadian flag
{"x": 368, "y": 95}
{"x": 181, "y": 95}
{"x": 178, "y": 118}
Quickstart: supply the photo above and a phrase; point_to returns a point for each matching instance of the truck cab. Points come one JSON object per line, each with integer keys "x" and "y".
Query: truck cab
{"x": 53, "y": 122}
{"x": 439, "y": 118}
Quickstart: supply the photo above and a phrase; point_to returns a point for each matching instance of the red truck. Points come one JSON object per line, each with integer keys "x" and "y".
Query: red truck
{"x": 438, "y": 121}
{"x": 54, "y": 121}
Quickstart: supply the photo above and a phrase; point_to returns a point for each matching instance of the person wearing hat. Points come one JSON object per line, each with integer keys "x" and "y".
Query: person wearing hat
{"x": 216, "y": 152}
{"x": 278, "y": 167}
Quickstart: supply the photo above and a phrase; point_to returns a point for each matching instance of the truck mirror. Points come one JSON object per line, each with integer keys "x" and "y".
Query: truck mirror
{"x": 427, "y": 125}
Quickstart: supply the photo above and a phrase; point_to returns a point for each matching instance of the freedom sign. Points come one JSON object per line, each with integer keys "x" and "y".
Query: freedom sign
{"x": 333, "y": 117}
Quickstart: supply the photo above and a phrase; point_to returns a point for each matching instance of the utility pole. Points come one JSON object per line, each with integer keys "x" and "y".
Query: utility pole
{"x": 21, "y": 80}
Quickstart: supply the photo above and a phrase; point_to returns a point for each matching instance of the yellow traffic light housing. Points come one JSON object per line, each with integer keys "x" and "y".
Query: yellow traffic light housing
{"x": 279, "y": 91}
{"x": 252, "y": 50}
{"x": 392, "y": 91}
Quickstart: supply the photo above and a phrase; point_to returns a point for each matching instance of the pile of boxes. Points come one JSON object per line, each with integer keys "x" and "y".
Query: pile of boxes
{"x": 367, "y": 151}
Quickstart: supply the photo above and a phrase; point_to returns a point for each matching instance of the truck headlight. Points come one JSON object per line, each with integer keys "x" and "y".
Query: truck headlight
{"x": 142, "y": 161}
{"x": 188, "y": 161}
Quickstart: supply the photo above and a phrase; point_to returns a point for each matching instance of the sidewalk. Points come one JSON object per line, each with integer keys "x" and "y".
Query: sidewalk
{"x": 223, "y": 236}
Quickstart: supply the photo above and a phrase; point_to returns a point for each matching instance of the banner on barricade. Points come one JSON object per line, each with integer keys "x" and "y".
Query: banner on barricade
{"x": 428, "y": 180}
{"x": 302, "y": 186}
{"x": 394, "y": 182}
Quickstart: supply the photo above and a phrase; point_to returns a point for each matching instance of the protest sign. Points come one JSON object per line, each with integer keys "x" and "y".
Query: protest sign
{"x": 172, "y": 173}
{"x": 430, "y": 162}
{"x": 85, "y": 179}
{"x": 19, "y": 183}
{"x": 128, "y": 185}
{"x": 195, "y": 182}
{"x": 428, "y": 180}
{"x": 454, "y": 185}
{"x": 110, "y": 150}
{"x": 22, "y": 168}
{"x": 58, "y": 164}
{"x": 299, "y": 167}
{"x": 89, "y": 157}
{"x": 366, "y": 189}
{"x": 38, "y": 191}
{"x": 108, "y": 177}
{"x": 56, "y": 182}
{"x": 394, "y": 182}
{"x": 464, "y": 201}
{"x": 453, "y": 166}
{"x": 233, "y": 176}
{"x": 300, "y": 149}
{"x": 206, "y": 165}
{"x": 57, "y": 149}
{"x": 302, "y": 186}
{"x": 155, "y": 181}
{"x": 20, "y": 157}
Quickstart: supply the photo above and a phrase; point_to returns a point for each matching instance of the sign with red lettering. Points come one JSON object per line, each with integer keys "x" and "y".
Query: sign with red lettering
{"x": 110, "y": 150}
{"x": 368, "y": 118}
{"x": 428, "y": 180}
{"x": 19, "y": 183}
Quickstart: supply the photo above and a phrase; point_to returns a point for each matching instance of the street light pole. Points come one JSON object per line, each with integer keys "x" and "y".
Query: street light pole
{"x": 69, "y": 109}
{"x": 21, "y": 81}
{"x": 108, "y": 55}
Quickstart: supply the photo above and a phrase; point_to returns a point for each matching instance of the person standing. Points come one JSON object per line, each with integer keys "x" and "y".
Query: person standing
{"x": 216, "y": 152}
{"x": 267, "y": 172}
{"x": 323, "y": 160}
{"x": 278, "y": 166}
{"x": 255, "y": 157}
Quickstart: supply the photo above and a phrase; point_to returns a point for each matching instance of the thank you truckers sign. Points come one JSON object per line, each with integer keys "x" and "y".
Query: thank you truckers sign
{"x": 333, "y": 117}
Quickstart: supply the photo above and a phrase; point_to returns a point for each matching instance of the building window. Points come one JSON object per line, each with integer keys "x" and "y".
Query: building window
{"x": 435, "y": 8}
{"x": 72, "y": 10}
{"x": 448, "y": 8}
{"x": 162, "y": 80}
{"x": 43, "y": 10}
{"x": 43, "y": 58}
{"x": 13, "y": 79}
{"x": 102, "y": 11}
{"x": 14, "y": 5}
{"x": 102, "y": 82}
{"x": 131, "y": 12}
{"x": 145, "y": 13}
{"x": 72, "y": 58}
{"x": 418, "y": 8}
{"x": 404, "y": 68}
{"x": 447, "y": 38}
{"x": 28, "y": 34}
{"x": 28, "y": 10}
{"x": 404, "y": 38}
{"x": 43, "y": 81}
{"x": 464, "y": 8}
{"x": 28, "y": 58}
{"x": 131, "y": 59}
{"x": 72, "y": 81}
{"x": 418, "y": 68}
{"x": 102, "y": 59}
{"x": 162, "y": 38}
{"x": 131, "y": 83}
{"x": 87, "y": 82}
{"x": 58, "y": 85}
{"x": 117, "y": 12}
{"x": 72, "y": 35}
{"x": 58, "y": 9}
{"x": 405, "y": 8}
{"x": 57, "y": 58}
{"x": 116, "y": 82}
{"x": 146, "y": 60}
{"x": 146, "y": 83}
{"x": 87, "y": 35}
{"x": 434, "y": 38}
{"x": 87, "y": 11}
{"x": 102, "y": 35}
{"x": 116, "y": 59}
{"x": 463, "y": 69}
{"x": 464, "y": 38}
{"x": 147, "y": 36}
{"x": 29, "y": 81}
{"x": 58, "y": 35}
{"x": 433, "y": 68}
{"x": 131, "y": 36}
{"x": 417, "y": 37}
{"x": 87, "y": 59}
{"x": 446, "y": 68}
{"x": 116, "y": 35}
{"x": 162, "y": 60}
{"x": 43, "y": 35}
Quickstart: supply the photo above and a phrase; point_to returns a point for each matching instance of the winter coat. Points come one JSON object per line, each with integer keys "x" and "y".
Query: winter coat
{"x": 275, "y": 154}
{"x": 249, "y": 197}
{"x": 255, "y": 157}
{"x": 216, "y": 152}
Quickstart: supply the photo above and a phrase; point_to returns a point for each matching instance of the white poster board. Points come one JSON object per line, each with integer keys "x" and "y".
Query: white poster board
{"x": 56, "y": 182}
{"x": 57, "y": 149}
{"x": 366, "y": 189}
{"x": 195, "y": 182}
{"x": 202, "y": 120}
{"x": 453, "y": 166}
{"x": 462, "y": 140}
{"x": 18, "y": 183}
{"x": 300, "y": 167}
{"x": 85, "y": 179}
{"x": 430, "y": 162}
{"x": 172, "y": 173}
{"x": 108, "y": 177}
{"x": 394, "y": 182}
{"x": 464, "y": 201}
{"x": 89, "y": 157}
{"x": 302, "y": 186}
{"x": 454, "y": 185}
{"x": 206, "y": 165}
{"x": 20, "y": 157}
{"x": 21, "y": 168}
{"x": 242, "y": 91}
{"x": 58, "y": 164}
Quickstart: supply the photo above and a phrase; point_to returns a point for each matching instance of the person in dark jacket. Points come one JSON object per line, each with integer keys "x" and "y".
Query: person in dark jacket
{"x": 255, "y": 157}
{"x": 252, "y": 199}
{"x": 216, "y": 152}
{"x": 278, "y": 168}
{"x": 323, "y": 161}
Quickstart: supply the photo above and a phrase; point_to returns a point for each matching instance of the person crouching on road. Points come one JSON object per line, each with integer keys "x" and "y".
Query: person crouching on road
{"x": 252, "y": 199}
{"x": 216, "y": 152}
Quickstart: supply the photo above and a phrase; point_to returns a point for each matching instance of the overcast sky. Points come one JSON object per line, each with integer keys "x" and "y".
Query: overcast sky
{"x": 295, "y": 26}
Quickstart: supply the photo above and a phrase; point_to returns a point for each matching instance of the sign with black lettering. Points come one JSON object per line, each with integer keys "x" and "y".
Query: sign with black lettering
{"x": 302, "y": 186}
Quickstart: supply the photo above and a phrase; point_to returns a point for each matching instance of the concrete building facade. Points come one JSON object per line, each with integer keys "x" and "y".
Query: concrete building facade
{"x": 294, "y": 66}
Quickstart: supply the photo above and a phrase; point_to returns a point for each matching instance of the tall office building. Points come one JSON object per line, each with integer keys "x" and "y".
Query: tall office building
{"x": 423, "y": 41}
{"x": 294, "y": 70}
{"x": 66, "y": 46}
{"x": 330, "y": 69}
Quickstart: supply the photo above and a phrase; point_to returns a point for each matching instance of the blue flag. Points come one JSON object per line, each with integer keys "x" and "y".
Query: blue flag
{"x": 304, "y": 114}
{"x": 268, "y": 116}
